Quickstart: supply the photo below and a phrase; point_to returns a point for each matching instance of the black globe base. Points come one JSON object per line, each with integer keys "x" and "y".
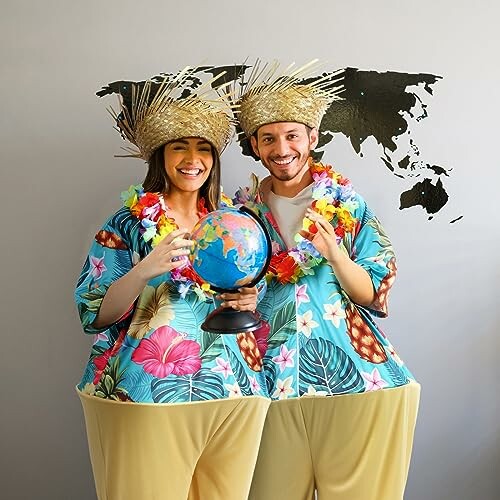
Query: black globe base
{"x": 228, "y": 320}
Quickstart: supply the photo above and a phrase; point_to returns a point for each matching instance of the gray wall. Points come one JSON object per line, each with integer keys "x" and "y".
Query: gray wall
{"x": 60, "y": 180}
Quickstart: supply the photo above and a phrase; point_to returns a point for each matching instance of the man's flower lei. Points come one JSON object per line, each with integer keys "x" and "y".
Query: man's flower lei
{"x": 156, "y": 224}
{"x": 334, "y": 198}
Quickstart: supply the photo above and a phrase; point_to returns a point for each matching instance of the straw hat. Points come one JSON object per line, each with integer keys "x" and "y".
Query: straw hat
{"x": 272, "y": 96}
{"x": 156, "y": 115}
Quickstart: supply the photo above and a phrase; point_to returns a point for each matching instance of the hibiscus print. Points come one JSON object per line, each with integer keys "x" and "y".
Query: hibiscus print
{"x": 167, "y": 352}
{"x": 153, "y": 310}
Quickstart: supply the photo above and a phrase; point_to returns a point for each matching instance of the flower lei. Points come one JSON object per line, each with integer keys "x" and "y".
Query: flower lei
{"x": 156, "y": 224}
{"x": 334, "y": 198}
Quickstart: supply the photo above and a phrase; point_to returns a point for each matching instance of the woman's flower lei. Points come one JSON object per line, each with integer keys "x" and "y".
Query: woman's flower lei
{"x": 156, "y": 224}
{"x": 335, "y": 199}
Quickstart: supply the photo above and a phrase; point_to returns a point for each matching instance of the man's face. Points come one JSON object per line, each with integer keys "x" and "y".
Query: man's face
{"x": 284, "y": 148}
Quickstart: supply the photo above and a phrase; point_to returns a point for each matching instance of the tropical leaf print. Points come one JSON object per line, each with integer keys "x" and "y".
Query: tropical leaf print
{"x": 91, "y": 302}
{"x": 240, "y": 374}
{"x": 382, "y": 238}
{"x": 275, "y": 298}
{"x": 123, "y": 222}
{"x": 203, "y": 385}
{"x": 211, "y": 346}
{"x": 88, "y": 375}
{"x": 84, "y": 273}
{"x": 122, "y": 264}
{"x": 138, "y": 385}
{"x": 396, "y": 373}
{"x": 367, "y": 216}
{"x": 188, "y": 312}
{"x": 283, "y": 324}
{"x": 93, "y": 298}
{"x": 270, "y": 373}
{"x": 324, "y": 366}
{"x": 108, "y": 387}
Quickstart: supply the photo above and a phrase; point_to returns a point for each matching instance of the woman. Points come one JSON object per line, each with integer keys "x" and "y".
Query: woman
{"x": 172, "y": 412}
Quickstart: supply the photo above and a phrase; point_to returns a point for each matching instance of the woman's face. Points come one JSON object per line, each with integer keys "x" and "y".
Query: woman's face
{"x": 188, "y": 162}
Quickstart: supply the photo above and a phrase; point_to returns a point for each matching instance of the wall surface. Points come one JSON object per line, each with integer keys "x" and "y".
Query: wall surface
{"x": 61, "y": 181}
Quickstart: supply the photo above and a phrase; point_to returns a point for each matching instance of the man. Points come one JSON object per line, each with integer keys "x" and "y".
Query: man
{"x": 344, "y": 405}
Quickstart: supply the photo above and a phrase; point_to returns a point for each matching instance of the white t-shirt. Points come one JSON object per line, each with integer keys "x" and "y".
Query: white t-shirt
{"x": 289, "y": 212}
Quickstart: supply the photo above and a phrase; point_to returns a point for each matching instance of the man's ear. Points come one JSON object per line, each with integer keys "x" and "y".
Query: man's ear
{"x": 253, "y": 142}
{"x": 314, "y": 137}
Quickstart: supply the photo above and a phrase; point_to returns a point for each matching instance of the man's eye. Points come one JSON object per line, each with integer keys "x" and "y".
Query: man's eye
{"x": 292, "y": 136}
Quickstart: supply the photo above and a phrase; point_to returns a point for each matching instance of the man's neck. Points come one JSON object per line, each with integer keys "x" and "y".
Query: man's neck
{"x": 290, "y": 189}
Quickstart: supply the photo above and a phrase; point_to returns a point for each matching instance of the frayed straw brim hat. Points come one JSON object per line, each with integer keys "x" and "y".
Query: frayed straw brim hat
{"x": 151, "y": 121}
{"x": 272, "y": 96}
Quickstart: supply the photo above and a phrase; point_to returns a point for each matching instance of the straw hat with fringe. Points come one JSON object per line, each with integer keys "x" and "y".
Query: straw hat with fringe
{"x": 271, "y": 95}
{"x": 157, "y": 115}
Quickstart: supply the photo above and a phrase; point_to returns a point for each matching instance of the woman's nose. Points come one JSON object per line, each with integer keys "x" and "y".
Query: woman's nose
{"x": 192, "y": 155}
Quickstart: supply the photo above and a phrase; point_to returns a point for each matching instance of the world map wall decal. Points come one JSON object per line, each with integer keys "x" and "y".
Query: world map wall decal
{"x": 379, "y": 105}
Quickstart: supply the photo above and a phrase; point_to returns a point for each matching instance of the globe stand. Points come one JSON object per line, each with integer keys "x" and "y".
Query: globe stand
{"x": 228, "y": 320}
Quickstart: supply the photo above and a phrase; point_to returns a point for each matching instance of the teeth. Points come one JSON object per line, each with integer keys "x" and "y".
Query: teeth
{"x": 284, "y": 162}
{"x": 194, "y": 171}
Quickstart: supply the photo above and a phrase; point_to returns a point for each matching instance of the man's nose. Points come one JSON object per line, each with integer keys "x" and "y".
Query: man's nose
{"x": 281, "y": 145}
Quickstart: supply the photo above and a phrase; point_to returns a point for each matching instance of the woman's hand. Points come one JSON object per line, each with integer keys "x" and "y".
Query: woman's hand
{"x": 167, "y": 255}
{"x": 325, "y": 240}
{"x": 244, "y": 300}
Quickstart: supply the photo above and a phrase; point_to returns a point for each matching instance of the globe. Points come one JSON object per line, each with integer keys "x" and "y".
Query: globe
{"x": 232, "y": 248}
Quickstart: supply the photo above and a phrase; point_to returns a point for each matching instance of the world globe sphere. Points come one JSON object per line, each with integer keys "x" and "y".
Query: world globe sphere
{"x": 232, "y": 248}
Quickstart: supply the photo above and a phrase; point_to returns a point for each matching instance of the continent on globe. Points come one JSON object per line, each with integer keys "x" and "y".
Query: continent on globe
{"x": 232, "y": 249}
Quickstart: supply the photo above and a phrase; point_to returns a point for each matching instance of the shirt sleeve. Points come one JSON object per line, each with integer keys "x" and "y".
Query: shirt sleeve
{"x": 372, "y": 250}
{"x": 110, "y": 257}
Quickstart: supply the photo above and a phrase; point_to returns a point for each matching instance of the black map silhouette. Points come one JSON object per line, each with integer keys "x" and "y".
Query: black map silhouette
{"x": 379, "y": 105}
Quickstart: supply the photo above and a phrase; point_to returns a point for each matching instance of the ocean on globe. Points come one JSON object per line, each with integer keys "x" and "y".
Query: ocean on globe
{"x": 232, "y": 248}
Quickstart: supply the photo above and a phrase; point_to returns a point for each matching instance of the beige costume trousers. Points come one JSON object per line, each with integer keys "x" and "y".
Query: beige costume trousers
{"x": 191, "y": 451}
{"x": 348, "y": 447}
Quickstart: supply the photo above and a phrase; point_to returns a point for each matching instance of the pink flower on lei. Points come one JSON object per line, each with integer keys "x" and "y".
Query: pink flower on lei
{"x": 166, "y": 351}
